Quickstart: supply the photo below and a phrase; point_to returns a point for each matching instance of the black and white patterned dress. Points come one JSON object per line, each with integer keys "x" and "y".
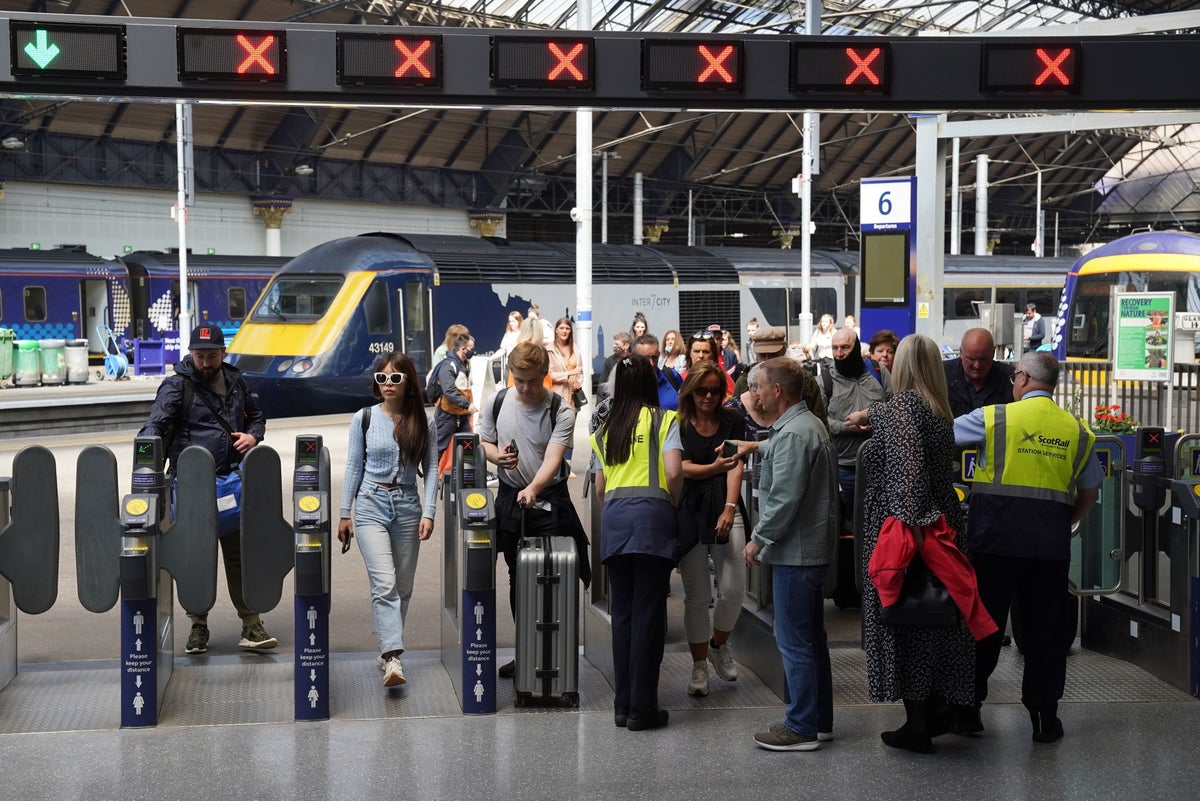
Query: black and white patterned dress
{"x": 909, "y": 468}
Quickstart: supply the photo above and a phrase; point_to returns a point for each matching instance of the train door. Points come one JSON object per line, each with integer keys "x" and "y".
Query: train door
{"x": 414, "y": 300}
{"x": 94, "y": 311}
{"x": 164, "y": 313}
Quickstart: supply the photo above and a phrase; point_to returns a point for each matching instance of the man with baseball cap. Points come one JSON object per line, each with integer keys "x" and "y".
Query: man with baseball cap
{"x": 207, "y": 403}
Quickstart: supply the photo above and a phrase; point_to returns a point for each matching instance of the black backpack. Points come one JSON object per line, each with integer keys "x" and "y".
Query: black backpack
{"x": 433, "y": 387}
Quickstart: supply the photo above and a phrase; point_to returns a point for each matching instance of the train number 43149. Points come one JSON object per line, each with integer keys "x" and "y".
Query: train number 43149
{"x": 382, "y": 347}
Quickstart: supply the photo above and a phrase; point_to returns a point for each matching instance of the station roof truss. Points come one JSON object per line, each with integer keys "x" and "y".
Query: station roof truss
{"x": 737, "y": 164}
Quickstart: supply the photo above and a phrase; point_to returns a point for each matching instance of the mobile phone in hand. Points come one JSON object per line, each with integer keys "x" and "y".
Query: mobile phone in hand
{"x": 729, "y": 448}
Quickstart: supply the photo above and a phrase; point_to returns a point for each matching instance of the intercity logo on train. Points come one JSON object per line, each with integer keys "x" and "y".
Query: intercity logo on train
{"x": 1035, "y": 438}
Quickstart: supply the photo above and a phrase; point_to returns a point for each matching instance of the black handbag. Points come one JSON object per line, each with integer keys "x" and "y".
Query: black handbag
{"x": 924, "y": 601}
{"x": 579, "y": 398}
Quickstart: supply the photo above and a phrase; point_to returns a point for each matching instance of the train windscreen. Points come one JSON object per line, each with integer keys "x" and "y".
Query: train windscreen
{"x": 1088, "y": 325}
{"x": 297, "y": 300}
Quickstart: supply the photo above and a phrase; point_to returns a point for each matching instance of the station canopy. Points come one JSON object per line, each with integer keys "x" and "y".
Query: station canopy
{"x": 1095, "y": 184}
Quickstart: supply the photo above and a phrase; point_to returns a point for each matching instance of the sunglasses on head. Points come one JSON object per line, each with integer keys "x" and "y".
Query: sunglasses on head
{"x": 704, "y": 335}
{"x": 389, "y": 378}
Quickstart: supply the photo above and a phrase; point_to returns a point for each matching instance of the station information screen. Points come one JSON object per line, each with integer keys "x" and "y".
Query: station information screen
{"x": 884, "y": 267}
{"x": 365, "y": 59}
{"x": 1034, "y": 67}
{"x": 689, "y": 65}
{"x": 543, "y": 63}
{"x": 227, "y": 54}
{"x": 839, "y": 67}
{"x": 62, "y": 50}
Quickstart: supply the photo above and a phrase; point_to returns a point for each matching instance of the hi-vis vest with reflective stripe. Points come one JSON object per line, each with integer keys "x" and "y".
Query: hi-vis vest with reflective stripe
{"x": 642, "y": 475}
{"x": 1034, "y": 450}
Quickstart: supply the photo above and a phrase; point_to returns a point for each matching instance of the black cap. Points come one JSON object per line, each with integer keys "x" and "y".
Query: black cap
{"x": 207, "y": 337}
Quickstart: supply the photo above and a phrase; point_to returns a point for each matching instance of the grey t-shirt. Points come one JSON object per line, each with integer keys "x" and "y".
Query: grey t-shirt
{"x": 532, "y": 430}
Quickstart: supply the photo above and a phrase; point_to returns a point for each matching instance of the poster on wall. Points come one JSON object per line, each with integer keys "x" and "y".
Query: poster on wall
{"x": 1142, "y": 336}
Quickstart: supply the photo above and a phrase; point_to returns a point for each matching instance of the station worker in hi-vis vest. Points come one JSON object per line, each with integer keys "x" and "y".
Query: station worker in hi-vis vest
{"x": 1035, "y": 477}
{"x": 640, "y": 480}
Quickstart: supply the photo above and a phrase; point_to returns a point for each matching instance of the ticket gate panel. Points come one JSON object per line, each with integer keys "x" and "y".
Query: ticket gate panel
{"x": 1098, "y": 549}
{"x": 188, "y": 548}
{"x": 29, "y": 543}
{"x": 268, "y": 550}
{"x": 97, "y": 529}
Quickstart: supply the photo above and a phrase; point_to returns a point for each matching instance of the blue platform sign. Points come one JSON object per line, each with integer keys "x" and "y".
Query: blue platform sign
{"x": 311, "y": 681}
{"x": 139, "y": 663}
{"x": 479, "y": 652}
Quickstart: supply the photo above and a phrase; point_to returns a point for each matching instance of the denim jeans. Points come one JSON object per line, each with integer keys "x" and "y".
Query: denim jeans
{"x": 800, "y": 635}
{"x": 385, "y": 526}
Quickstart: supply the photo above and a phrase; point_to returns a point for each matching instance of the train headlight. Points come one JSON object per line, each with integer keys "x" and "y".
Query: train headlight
{"x": 303, "y": 365}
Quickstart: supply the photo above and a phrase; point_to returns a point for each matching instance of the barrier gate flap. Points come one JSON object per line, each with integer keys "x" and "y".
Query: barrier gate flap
{"x": 268, "y": 543}
{"x": 29, "y": 543}
{"x": 188, "y": 550}
{"x": 97, "y": 529}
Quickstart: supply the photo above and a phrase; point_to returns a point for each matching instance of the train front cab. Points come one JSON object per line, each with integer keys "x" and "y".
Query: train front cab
{"x": 312, "y": 337}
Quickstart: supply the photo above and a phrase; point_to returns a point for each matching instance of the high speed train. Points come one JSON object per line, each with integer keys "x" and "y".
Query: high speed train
{"x": 65, "y": 293}
{"x": 331, "y": 311}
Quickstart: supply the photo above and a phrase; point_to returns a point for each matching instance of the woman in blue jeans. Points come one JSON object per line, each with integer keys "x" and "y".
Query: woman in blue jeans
{"x": 388, "y": 442}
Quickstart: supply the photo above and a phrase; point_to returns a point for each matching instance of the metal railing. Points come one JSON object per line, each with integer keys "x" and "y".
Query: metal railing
{"x": 1082, "y": 386}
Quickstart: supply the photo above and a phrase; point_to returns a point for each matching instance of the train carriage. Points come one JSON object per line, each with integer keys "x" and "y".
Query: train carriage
{"x": 62, "y": 293}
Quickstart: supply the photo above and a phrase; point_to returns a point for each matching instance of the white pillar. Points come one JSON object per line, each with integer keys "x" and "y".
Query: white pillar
{"x": 981, "y": 202}
{"x": 955, "y": 202}
{"x": 931, "y": 224}
{"x": 637, "y": 208}
{"x": 583, "y": 224}
{"x": 183, "y": 129}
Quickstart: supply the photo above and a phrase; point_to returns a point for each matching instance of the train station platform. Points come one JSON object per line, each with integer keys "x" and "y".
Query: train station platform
{"x": 226, "y": 729}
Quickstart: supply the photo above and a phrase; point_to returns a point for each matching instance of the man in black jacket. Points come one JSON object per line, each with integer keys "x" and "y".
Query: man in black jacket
{"x": 975, "y": 379}
{"x": 185, "y": 413}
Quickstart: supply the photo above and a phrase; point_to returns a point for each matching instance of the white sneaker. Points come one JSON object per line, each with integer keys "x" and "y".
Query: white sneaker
{"x": 722, "y": 661}
{"x": 698, "y": 686}
{"x": 393, "y": 673}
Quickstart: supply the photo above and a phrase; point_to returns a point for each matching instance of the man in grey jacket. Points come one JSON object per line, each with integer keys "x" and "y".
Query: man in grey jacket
{"x": 851, "y": 385}
{"x": 796, "y": 532}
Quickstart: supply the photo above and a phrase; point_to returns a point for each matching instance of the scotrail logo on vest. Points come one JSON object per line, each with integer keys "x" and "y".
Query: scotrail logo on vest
{"x": 1036, "y": 437}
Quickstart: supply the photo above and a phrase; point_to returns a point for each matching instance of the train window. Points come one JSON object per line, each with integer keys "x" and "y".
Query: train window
{"x": 958, "y": 304}
{"x": 297, "y": 299}
{"x": 823, "y": 300}
{"x": 773, "y": 303}
{"x": 236, "y": 299}
{"x": 35, "y": 304}
{"x": 375, "y": 308}
{"x": 1046, "y": 300}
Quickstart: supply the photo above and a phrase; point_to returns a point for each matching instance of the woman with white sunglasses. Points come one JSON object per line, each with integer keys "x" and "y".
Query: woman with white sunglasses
{"x": 388, "y": 443}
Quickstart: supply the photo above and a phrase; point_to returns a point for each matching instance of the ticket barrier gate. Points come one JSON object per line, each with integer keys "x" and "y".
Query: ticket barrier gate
{"x": 1150, "y": 616}
{"x": 469, "y": 578}
{"x": 28, "y": 547}
{"x": 133, "y": 550}
{"x": 128, "y": 550}
{"x": 312, "y": 529}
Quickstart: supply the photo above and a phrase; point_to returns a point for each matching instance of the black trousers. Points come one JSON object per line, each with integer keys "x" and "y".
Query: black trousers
{"x": 638, "y": 585}
{"x": 1036, "y": 588}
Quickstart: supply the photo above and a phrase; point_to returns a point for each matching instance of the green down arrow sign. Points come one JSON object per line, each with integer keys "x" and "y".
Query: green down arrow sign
{"x": 44, "y": 51}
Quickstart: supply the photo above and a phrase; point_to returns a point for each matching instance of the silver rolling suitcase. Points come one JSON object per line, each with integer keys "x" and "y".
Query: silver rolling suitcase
{"x": 547, "y": 668}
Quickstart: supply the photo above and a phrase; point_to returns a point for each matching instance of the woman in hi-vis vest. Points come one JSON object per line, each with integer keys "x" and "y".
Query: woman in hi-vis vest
{"x": 640, "y": 481}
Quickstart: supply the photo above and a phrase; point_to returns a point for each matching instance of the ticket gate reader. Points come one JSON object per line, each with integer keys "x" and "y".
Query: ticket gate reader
{"x": 28, "y": 547}
{"x": 128, "y": 549}
{"x": 312, "y": 529}
{"x": 469, "y": 579}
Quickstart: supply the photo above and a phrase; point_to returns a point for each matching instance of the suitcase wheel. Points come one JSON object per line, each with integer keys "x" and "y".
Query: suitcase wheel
{"x": 520, "y": 699}
{"x": 571, "y": 700}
